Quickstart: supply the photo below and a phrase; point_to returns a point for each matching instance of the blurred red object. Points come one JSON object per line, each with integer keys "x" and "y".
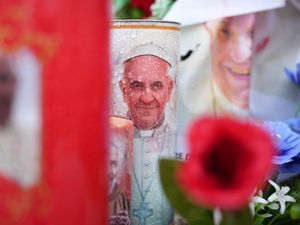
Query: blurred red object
{"x": 70, "y": 39}
{"x": 144, "y": 5}
{"x": 229, "y": 159}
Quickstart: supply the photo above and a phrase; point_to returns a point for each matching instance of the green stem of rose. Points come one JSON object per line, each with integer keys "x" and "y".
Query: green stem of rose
{"x": 297, "y": 110}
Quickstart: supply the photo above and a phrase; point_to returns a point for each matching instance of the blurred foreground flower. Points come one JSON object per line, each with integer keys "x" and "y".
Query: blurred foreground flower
{"x": 294, "y": 124}
{"x": 288, "y": 142}
{"x": 228, "y": 160}
{"x": 288, "y": 145}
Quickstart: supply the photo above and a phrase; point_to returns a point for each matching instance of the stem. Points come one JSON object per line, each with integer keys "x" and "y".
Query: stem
{"x": 283, "y": 216}
{"x": 275, "y": 175}
{"x": 274, "y": 218}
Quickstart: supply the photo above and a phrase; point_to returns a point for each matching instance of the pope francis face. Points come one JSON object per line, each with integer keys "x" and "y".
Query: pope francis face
{"x": 232, "y": 46}
{"x": 146, "y": 89}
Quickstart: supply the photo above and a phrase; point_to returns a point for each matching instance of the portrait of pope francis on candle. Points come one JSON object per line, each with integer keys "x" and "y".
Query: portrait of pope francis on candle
{"x": 146, "y": 87}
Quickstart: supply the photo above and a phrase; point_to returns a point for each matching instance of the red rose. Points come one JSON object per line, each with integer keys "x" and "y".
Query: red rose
{"x": 228, "y": 160}
{"x": 144, "y": 5}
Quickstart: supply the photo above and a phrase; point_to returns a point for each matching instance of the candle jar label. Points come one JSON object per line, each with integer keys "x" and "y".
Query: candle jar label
{"x": 144, "y": 60}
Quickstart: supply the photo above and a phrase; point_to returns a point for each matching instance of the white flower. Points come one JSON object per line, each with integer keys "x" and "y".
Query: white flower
{"x": 273, "y": 206}
{"x": 257, "y": 200}
{"x": 280, "y": 195}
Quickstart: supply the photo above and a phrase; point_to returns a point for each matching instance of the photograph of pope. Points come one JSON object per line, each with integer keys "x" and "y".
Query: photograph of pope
{"x": 146, "y": 87}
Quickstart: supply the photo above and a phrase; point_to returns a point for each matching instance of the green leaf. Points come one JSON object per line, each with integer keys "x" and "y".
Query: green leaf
{"x": 137, "y": 13}
{"x": 192, "y": 213}
{"x": 259, "y": 220}
{"x": 295, "y": 211}
{"x": 240, "y": 217}
{"x": 119, "y": 4}
{"x": 127, "y": 12}
{"x": 160, "y": 8}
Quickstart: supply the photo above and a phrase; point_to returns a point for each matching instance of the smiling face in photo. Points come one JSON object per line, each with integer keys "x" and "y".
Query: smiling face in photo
{"x": 232, "y": 57}
{"x": 146, "y": 89}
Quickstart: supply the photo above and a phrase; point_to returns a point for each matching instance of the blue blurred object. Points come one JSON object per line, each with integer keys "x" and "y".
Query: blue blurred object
{"x": 292, "y": 167}
{"x": 294, "y": 77}
{"x": 288, "y": 143}
{"x": 294, "y": 124}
